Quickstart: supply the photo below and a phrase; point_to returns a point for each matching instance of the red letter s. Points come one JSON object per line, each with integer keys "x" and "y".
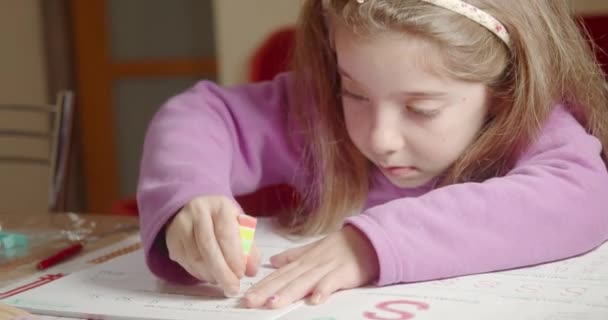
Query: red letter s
{"x": 403, "y": 315}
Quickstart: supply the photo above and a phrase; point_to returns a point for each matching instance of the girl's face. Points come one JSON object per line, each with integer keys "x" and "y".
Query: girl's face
{"x": 411, "y": 122}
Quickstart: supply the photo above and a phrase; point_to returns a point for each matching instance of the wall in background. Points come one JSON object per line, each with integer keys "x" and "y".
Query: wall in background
{"x": 22, "y": 80}
{"x": 590, "y": 6}
{"x": 240, "y": 26}
{"x": 23, "y": 76}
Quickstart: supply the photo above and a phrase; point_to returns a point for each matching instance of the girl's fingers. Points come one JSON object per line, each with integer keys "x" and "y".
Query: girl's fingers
{"x": 226, "y": 228}
{"x": 181, "y": 255}
{"x": 266, "y": 289}
{"x": 211, "y": 254}
{"x": 277, "y": 274}
{"x": 329, "y": 284}
{"x": 180, "y": 250}
{"x": 175, "y": 248}
{"x": 290, "y": 255}
{"x": 180, "y": 228}
{"x": 298, "y": 288}
{"x": 194, "y": 271}
{"x": 253, "y": 262}
{"x": 195, "y": 264}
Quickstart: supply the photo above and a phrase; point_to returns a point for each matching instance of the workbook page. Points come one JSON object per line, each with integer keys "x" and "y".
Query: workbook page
{"x": 572, "y": 289}
{"x": 123, "y": 288}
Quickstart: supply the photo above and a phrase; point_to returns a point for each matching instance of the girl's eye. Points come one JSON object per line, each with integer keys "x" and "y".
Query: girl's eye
{"x": 423, "y": 112}
{"x": 349, "y": 94}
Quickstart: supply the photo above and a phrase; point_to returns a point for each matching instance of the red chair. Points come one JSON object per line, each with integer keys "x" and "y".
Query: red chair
{"x": 273, "y": 55}
{"x": 271, "y": 58}
{"x": 125, "y": 207}
{"x": 597, "y": 26}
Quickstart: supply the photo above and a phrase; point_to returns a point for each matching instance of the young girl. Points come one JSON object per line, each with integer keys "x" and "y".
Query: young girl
{"x": 429, "y": 139}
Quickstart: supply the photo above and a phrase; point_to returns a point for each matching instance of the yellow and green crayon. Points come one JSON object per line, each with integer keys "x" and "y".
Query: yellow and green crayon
{"x": 247, "y": 226}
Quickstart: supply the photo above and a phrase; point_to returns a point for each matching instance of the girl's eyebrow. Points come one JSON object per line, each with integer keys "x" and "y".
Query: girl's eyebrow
{"x": 411, "y": 94}
{"x": 424, "y": 94}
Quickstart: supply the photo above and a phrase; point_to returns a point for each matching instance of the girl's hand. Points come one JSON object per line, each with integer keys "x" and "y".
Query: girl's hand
{"x": 204, "y": 239}
{"x": 342, "y": 260}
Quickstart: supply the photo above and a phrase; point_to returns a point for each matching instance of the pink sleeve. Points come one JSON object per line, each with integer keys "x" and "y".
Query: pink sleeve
{"x": 210, "y": 140}
{"x": 552, "y": 205}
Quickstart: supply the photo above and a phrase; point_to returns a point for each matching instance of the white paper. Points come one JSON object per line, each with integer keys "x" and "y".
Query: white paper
{"x": 573, "y": 289}
{"x": 123, "y": 288}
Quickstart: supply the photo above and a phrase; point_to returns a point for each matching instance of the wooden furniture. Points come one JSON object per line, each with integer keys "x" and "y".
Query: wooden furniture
{"x": 35, "y": 148}
{"x": 51, "y": 226}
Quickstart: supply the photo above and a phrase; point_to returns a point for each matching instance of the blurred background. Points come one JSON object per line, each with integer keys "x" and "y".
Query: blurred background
{"x": 122, "y": 59}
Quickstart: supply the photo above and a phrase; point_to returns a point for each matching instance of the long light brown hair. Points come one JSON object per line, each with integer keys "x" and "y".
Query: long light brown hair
{"x": 547, "y": 62}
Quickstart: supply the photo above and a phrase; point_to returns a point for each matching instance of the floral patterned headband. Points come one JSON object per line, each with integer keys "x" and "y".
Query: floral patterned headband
{"x": 473, "y": 13}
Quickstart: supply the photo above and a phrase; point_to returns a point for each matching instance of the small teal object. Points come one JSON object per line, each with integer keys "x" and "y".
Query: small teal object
{"x": 9, "y": 240}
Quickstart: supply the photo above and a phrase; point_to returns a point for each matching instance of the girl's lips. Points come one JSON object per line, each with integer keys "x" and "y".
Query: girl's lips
{"x": 400, "y": 171}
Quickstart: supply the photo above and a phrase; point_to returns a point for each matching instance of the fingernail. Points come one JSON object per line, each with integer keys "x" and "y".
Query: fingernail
{"x": 251, "y": 298}
{"x": 316, "y": 298}
{"x": 272, "y": 300}
{"x": 232, "y": 292}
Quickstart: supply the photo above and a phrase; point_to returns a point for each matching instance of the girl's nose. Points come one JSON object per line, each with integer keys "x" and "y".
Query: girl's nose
{"x": 386, "y": 136}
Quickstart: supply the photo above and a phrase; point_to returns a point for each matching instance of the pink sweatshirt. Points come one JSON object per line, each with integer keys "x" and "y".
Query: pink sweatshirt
{"x": 229, "y": 141}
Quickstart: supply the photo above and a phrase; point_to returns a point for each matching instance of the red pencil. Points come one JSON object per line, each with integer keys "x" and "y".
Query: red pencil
{"x": 75, "y": 248}
{"x": 60, "y": 256}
